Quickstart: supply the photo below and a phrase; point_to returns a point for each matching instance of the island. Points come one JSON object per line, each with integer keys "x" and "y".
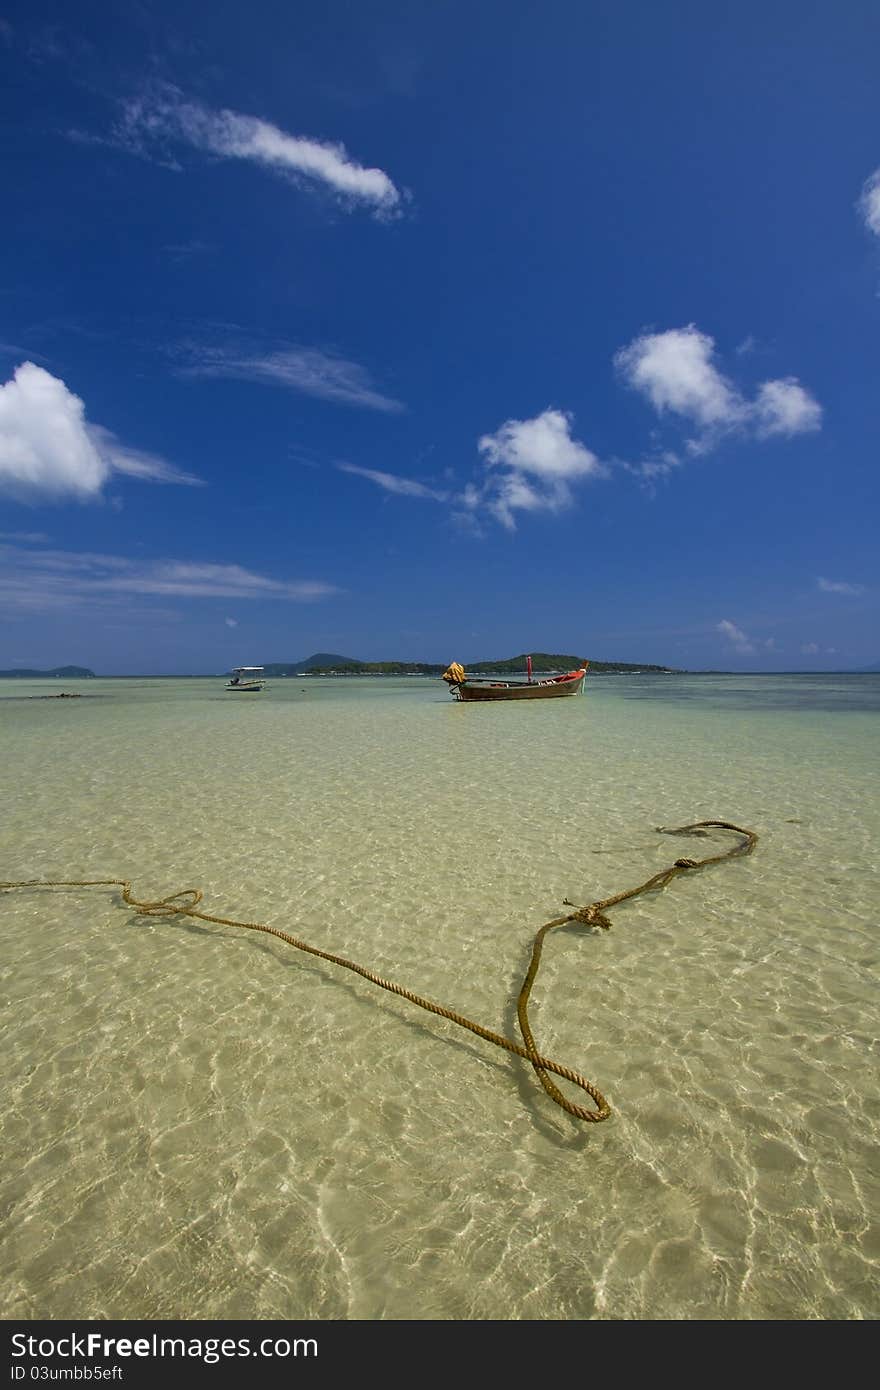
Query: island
{"x": 543, "y": 663}
{"x": 68, "y": 673}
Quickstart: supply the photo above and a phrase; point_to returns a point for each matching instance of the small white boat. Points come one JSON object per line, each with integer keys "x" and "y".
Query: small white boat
{"x": 247, "y": 679}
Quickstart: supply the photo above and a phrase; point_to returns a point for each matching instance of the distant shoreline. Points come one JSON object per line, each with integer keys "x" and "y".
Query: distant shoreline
{"x": 408, "y": 675}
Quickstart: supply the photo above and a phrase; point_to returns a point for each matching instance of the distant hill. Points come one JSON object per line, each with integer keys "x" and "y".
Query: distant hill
{"x": 547, "y": 662}
{"x": 325, "y": 663}
{"x": 69, "y": 673}
{"x": 321, "y": 661}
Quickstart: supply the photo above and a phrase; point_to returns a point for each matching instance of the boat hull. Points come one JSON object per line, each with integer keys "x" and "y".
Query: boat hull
{"x": 539, "y": 690}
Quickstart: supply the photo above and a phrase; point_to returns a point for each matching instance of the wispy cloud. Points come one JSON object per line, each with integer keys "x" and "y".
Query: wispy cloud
{"x": 736, "y": 637}
{"x": 308, "y": 370}
{"x": 651, "y": 470}
{"x": 42, "y": 580}
{"x": 163, "y": 118}
{"x": 137, "y": 463}
{"x": 16, "y": 350}
{"x": 392, "y": 482}
{"x": 869, "y": 203}
{"x": 185, "y": 251}
{"x": 49, "y": 451}
{"x": 839, "y": 586}
{"x": 677, "y": 372}
{"x": 530, "y": 466}
{"x": 213, "y": 581}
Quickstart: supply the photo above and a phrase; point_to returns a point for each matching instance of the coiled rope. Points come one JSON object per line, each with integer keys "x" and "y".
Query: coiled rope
{"x": 185, "y": 904}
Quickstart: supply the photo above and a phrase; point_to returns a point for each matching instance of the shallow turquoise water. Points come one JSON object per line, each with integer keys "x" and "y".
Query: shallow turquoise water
{"x": 202, "y": 1122}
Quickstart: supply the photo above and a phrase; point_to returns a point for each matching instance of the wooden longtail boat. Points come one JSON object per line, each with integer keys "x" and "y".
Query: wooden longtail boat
{"x": 465, "y": 687}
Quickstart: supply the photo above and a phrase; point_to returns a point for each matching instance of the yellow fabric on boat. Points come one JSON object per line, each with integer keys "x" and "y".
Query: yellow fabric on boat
{"x": 455, "y": 674}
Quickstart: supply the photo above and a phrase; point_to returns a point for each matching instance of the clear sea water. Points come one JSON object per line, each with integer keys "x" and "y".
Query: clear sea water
{"x": 205, "y": 1123}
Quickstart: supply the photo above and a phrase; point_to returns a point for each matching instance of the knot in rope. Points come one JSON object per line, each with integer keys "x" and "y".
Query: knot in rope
{"x": 591, "y": 917}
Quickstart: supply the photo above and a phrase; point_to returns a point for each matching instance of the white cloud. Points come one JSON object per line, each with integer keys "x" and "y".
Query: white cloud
{"x": 735, "y": 636}
{"x": 308, "y": 370}
{"x": 676, "y": 371}
{"x": 231, "y": 622}
{"x": 166, "y": 117}
{"x": 869, "y": 203}
{"x": 41, "y": 580}
{"x": 810, "y": 648}
{"x": 45, "y": 447}
{"x": 532, "y": 464}
{"x": 839, "y": 586}
{"x": 784, "y": 407}
{"x": 390, "y": 482}
{"x": 49, "y": 450}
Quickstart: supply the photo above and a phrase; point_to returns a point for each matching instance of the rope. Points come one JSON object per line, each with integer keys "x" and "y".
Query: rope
{"x": 185, "y": 904}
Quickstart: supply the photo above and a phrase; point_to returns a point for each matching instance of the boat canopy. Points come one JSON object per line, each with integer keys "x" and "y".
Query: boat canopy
{"x": 240, "y": 670}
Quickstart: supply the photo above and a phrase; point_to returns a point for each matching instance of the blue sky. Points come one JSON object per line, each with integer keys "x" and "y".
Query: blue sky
{"x": 439, "y": 331}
